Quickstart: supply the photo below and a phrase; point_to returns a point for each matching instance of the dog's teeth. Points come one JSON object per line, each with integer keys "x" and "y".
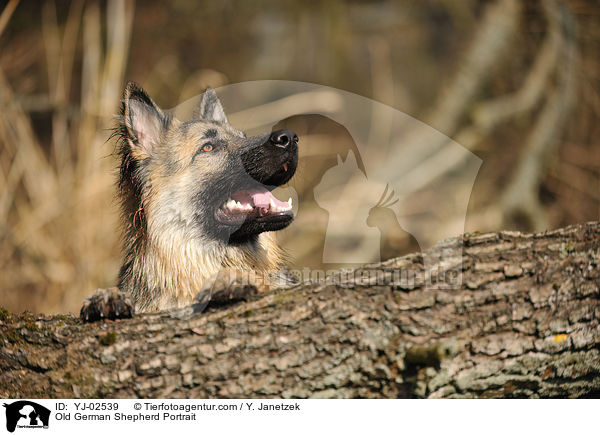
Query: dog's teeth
{"x": 239, "y": 205}
{"x": 289, "y": 201}
{"x": 272, "y": 205}
{"x": 230, "y": 204}
{"x": 248, "y": 207}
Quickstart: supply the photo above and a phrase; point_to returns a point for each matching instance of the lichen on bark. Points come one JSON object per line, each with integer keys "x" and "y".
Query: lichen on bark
{"x": 523, "y": 323}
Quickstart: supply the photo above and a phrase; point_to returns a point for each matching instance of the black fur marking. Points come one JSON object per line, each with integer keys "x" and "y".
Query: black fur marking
{"x": 137, "y": 93}
{"x": 166, "y": 120}
{"x": 196, "y": 154}
{"x": 210, "y": 133}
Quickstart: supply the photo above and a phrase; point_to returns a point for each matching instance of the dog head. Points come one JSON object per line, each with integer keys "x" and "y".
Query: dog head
{"x": 202, "y": 176}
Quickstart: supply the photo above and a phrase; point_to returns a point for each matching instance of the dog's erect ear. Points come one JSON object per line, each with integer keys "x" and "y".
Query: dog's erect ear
{"x": 210, "y": 107}
{"x": 143, "y": 121}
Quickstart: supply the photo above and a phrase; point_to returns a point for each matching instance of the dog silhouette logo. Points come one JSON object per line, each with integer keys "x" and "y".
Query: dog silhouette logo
{"x": 399, "y": 185}
{"x": 348, "y": 211}
{"x": 26, "y": 414}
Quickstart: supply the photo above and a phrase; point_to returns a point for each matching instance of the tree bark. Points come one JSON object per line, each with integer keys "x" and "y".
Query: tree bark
{"x": 523, "y": 323}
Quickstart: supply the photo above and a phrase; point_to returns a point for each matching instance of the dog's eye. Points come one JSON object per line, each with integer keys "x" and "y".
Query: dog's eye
{"x": 207, "y": 147}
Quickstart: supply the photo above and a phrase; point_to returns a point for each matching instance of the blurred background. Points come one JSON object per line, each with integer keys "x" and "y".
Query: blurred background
{"x": 515, "y": 82}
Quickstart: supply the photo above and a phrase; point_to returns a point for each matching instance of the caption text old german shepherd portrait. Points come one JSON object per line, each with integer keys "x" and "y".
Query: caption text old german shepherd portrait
{"x": 196, "y": 203}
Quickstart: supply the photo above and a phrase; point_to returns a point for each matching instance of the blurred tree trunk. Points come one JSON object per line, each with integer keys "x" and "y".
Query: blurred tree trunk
{"x": 524, "y": 323}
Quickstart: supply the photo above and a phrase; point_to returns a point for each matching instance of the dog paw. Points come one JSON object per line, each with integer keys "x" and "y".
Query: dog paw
{"x": 233, "y": 293}
{"x": 106, "y": 304}
{"x": 223, "y": 289}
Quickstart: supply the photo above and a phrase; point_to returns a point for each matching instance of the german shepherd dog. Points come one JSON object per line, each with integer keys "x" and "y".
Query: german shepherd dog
{"x": 196, "y": 204}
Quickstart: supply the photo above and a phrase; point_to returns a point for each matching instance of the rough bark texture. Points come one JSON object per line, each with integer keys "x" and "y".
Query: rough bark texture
{"x": 523, "y": 323}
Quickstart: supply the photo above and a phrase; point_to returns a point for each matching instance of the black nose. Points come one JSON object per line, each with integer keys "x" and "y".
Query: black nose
{"x": 283, "y": 138}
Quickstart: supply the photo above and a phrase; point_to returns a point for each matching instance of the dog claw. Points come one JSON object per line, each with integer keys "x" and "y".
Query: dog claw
{"x": 106, "y": 304}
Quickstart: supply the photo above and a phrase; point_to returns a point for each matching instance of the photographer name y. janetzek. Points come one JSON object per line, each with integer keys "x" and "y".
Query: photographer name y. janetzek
{"x": 279, "y": 407}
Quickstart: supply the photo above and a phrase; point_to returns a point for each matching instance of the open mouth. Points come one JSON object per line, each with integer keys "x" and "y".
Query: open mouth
{"x": 256, "y": 203}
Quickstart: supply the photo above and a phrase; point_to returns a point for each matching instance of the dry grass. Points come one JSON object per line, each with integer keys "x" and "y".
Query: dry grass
{"x": 58, "y": 226}
{"x": 61, "y": 82}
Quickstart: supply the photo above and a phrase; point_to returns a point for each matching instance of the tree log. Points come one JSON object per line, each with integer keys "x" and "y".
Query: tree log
{"x": 523, "y": 323}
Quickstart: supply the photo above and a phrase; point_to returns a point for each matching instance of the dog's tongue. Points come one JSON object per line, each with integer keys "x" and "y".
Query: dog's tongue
{"x": 260, "y": 198}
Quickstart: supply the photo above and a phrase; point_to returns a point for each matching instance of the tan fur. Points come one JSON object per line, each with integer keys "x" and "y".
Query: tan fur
{"x": 168, "y": 260}
{"x": 182, "y": 269}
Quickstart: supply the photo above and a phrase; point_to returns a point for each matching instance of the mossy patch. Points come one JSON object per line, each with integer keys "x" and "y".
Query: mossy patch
{"x": 5, "y": 315}
{"x": 30, "y": 324}
{"x": 282, "y": 298}
{"x": 13, "y": 337}
{"x": 109, "y": 338}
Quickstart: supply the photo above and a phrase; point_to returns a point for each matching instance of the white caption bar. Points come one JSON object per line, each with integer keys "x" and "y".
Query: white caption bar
{"x": 127, "y": 416}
